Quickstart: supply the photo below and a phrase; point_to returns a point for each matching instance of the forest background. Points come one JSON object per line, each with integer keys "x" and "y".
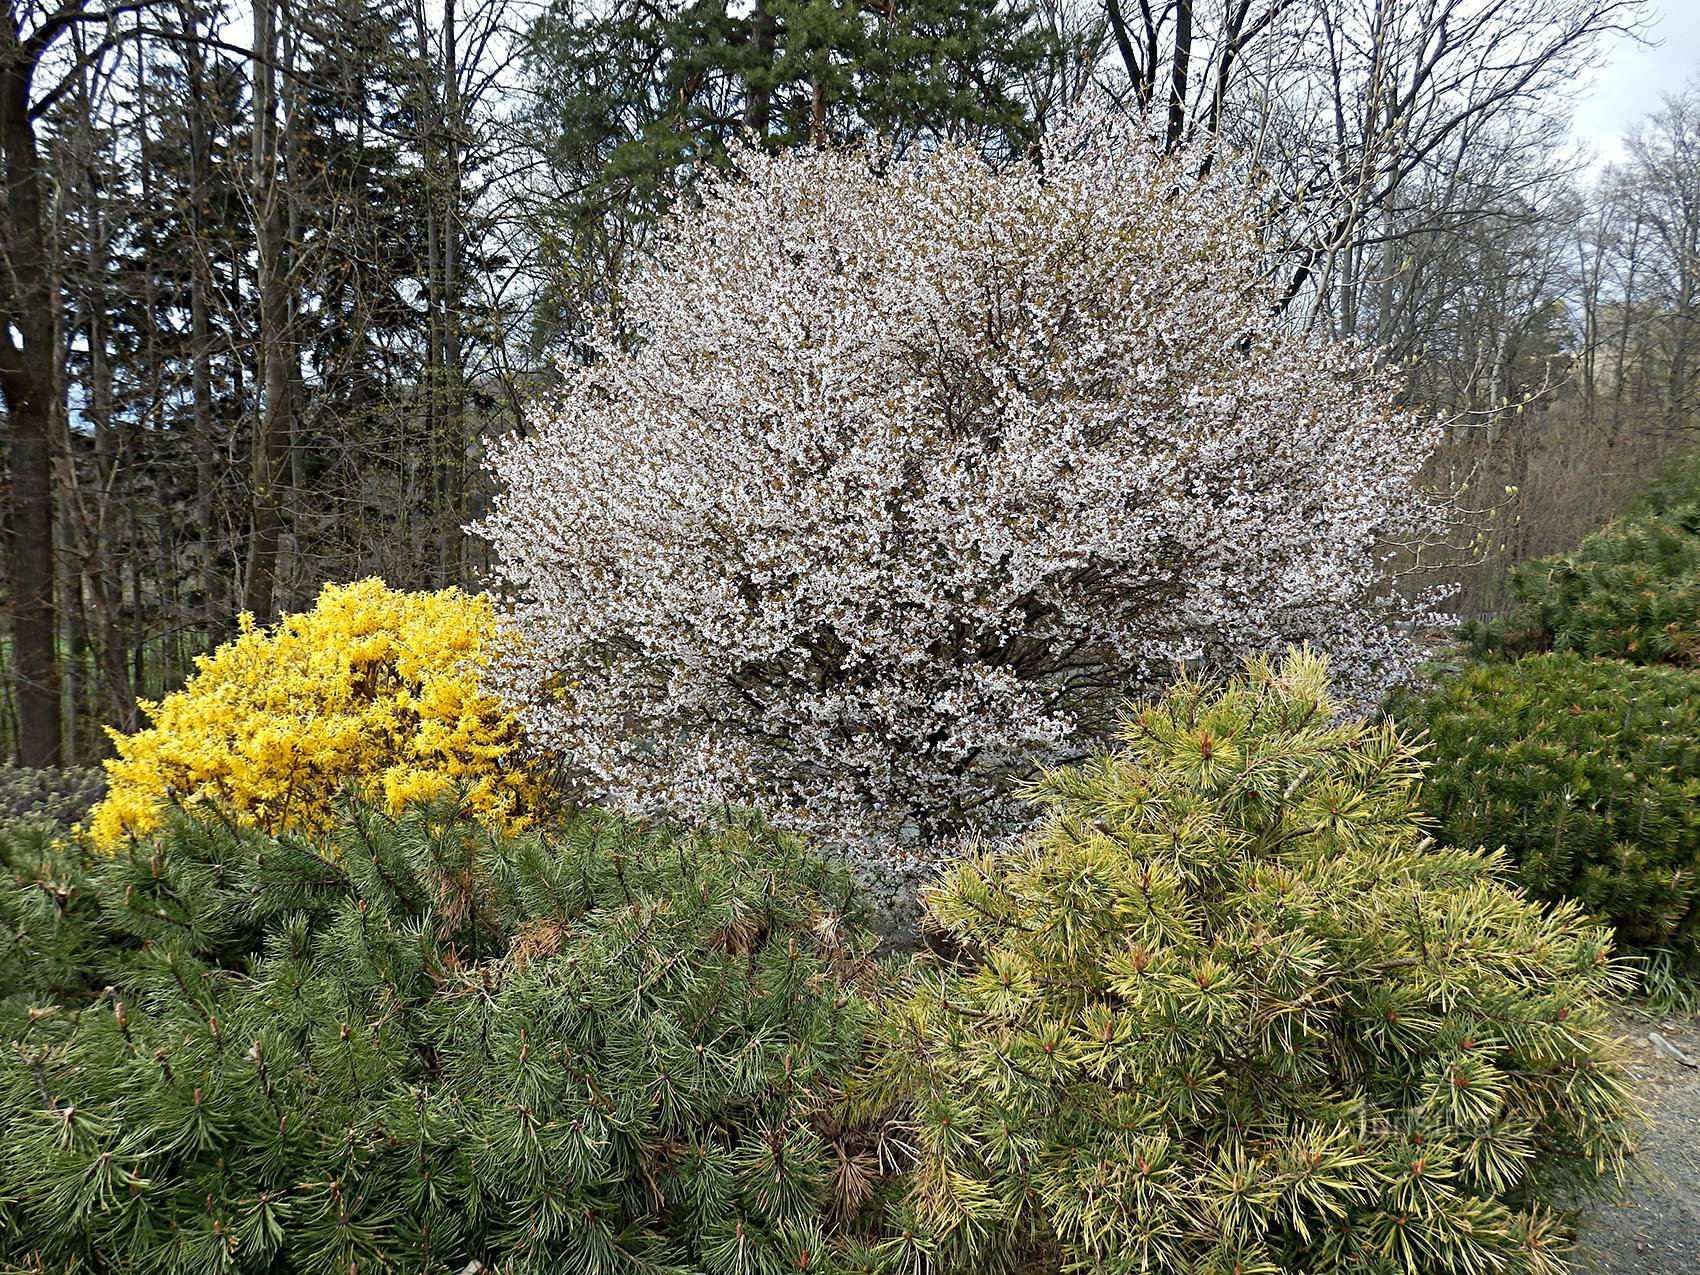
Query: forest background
{"x": 270, "y": 273}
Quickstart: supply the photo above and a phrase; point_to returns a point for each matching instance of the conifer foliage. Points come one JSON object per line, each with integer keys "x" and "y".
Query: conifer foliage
{"x": 608, "y": 1050}
{"x": 1588, "y": 772}
{"x": 1227, "y": 1010}
{"x": 56, "y": 797}
{"x": 1631, "y": 591}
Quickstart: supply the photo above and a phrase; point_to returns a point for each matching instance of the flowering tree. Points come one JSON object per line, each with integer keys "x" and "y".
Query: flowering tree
{"x": 909, "y": 475}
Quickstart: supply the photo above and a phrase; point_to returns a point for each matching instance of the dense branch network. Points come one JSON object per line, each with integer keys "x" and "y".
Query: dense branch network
{"x": 911, "y": 474}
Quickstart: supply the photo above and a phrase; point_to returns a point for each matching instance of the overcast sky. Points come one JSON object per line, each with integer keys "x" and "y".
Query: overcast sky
{"x": 1635, "y": 76}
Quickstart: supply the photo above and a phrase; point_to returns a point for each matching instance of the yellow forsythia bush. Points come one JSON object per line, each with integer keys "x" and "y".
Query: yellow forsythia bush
{"x": 373, "y": 686}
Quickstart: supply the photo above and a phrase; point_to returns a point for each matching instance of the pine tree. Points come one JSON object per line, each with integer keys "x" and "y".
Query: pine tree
{"x": 1630, "y": 591}
{"x": 1227, "y": 1010}
{"x": 635, "y": 102}
{"x": 610, "y": 1049}
{"x": 1586, "y": 772}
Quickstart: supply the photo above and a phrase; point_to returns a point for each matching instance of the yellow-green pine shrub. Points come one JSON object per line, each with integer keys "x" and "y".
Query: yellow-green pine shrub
{"x": 373, "y": 687}
{"x": 1227, "y": 1010}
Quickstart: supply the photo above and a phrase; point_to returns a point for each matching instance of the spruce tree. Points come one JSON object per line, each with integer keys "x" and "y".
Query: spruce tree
{"x": 637, "y": 102}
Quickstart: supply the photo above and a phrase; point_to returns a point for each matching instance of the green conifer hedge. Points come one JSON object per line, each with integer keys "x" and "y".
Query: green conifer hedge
{"x": 610, "y": 1049}
{"x": 1227, "y": 1010}
{"x": 1588, "y": 772}
{"x": 58, "y": 796}
{"x": 1631, "y": 591}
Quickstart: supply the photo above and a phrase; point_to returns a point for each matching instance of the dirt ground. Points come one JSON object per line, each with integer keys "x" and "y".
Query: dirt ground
{"x": 1655, "y": 1230}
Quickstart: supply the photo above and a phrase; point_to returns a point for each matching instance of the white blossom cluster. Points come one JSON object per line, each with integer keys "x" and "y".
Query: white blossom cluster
{"x": 910, "y": 475}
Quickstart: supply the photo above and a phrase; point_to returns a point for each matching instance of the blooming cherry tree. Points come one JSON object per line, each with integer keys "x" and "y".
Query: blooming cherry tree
{"x": 900, "y": 478}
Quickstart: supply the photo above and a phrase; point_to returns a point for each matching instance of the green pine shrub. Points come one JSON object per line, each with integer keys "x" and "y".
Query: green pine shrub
{"x": 56, "y": 796}
{"x": 1678, "y": 484}
{"x": 1226, "y": 1009}
{"x": 609, "y": 1048}
{"x": 1632, "y": 591}
{"x": 1588, "y": 772}
{"x": 50, "y": 927}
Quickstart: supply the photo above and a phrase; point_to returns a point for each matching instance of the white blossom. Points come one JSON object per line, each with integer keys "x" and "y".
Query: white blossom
{"x": 910, "y": 475}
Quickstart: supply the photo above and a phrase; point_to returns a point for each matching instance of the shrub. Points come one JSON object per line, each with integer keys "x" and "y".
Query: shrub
{"x": 1631, "y": 591}
{"x": 373, "y": 687}
{"x": 1677, "y": 486}
{"x": 897, "y": 476}
{"x": 51, "y": 949}
{"x": 1588, "y": 771}
{"x": 56, "y": 796}
{"x": 1226, "y": 1009}
{"x": 608, "y": 1050}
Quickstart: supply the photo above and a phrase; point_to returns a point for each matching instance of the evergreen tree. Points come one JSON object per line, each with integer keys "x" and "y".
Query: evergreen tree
{"x": 636, "y": 99}
{"x": 1587, "y": 772}
{"x": 1631, "y": 591}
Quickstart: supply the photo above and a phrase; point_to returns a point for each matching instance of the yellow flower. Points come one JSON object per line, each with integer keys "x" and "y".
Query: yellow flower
{"x": 373, "y": 687}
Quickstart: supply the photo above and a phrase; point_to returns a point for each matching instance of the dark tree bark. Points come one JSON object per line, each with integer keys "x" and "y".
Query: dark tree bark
{"x": 217, "y": 585}
{"x": 764, "y": 34}
{"x": 29, "y": 386}
{"x": 91, "y": 542}
{"x": 272, "y": 425}
{"x": 1179, "y": 70}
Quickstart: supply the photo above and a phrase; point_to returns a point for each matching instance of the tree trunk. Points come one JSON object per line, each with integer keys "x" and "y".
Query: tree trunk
{"x": 454, "y": 353}
{"x": 269, "y": 459}
{"x": 93, "y": 538}
{"x": 213, "y": 588}
{"x": 764, "y": 32}
{"x": 29, "y": 386}
{"x": 1179, "y": 70}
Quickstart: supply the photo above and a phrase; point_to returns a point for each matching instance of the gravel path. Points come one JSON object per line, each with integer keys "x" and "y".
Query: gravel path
{"x": 1655, "y": 1230}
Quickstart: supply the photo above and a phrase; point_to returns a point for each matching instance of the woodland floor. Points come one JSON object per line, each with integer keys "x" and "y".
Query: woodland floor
{"x": 1655, "y": 1228}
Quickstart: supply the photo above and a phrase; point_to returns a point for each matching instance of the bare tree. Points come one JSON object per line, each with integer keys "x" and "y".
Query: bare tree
{"x": 1341, "y": 105}
{"x": 35, "y": 73}
{"x": 1664, "y": 169}
{"x": 274, "y": 414}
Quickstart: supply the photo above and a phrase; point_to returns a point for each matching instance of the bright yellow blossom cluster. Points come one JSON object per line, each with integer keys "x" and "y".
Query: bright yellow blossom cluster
{"x": 373, "y": 686}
